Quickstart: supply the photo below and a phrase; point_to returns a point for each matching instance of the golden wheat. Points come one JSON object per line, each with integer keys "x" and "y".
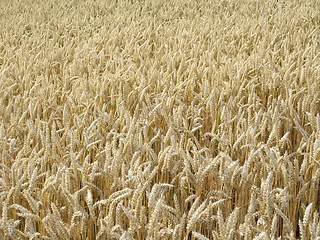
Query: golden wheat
{"x": 159, "y": 119}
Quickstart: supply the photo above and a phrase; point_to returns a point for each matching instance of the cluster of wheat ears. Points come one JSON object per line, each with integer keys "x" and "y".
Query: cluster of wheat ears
{"x": 153, "y": 119}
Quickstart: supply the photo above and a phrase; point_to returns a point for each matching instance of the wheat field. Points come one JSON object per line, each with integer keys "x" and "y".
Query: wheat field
{"x": 154, "y": 119}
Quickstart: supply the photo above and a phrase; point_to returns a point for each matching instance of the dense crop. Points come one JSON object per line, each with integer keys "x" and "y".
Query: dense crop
{"x": 153, "y": 119}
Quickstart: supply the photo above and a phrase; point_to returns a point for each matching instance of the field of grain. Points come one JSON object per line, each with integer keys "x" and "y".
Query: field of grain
{"x": 154, "y": 119}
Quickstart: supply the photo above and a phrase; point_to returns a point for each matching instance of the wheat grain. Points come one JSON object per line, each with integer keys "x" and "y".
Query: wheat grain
{"x": 159, "y": 120}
